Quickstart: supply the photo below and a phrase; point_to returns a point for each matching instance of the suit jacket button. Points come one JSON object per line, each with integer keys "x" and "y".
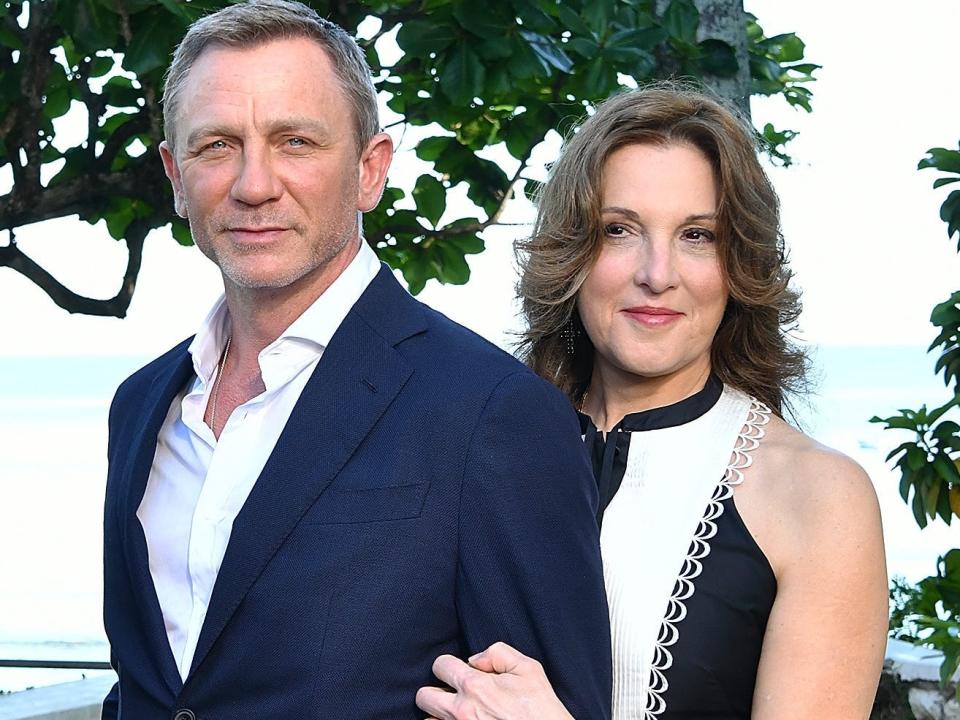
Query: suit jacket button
{"x": 184, "y": 715}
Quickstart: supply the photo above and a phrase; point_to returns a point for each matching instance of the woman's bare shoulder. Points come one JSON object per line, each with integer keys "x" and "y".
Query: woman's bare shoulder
{"x": 813, "y": 489}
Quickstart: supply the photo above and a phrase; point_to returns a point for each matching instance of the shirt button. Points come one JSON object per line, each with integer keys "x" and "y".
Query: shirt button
{"x": 184, "y": 715}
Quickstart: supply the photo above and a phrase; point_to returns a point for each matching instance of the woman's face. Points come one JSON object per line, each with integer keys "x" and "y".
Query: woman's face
{"x": 653, "y": 301}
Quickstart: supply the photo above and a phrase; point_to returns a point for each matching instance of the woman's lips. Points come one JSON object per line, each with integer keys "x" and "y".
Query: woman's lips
{"x": 652, "y": 317}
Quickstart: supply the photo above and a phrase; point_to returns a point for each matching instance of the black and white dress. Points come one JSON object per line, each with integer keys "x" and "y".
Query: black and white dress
{"x": 689, "y": 590}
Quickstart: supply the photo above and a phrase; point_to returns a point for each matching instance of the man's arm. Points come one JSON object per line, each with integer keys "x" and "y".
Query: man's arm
{"x": 110, "y": 710}
{"x": 529, "y": 555}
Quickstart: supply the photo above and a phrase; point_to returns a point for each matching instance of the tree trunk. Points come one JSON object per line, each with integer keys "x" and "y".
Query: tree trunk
{"x": 725, "y": 20}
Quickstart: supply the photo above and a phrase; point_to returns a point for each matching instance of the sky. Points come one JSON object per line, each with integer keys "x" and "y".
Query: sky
{"x": 866, "y": 242}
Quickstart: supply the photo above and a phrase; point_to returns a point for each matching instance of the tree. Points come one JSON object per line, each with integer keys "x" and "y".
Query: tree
{"x": 929, "y": 464}
{"x": 501, "y": 73}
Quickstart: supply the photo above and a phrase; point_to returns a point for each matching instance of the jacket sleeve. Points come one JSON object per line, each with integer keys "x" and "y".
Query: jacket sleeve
{"x": 111, "y": 704}
{"x": 529, "y": 569}
{"x": 110, "y": 710}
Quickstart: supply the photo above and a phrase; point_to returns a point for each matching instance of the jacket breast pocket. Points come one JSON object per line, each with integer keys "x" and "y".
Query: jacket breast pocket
{"x": 362, "y": 505}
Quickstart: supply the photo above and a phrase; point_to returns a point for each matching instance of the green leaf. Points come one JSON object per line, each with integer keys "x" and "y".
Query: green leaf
{"x": 946, "y": 469}
{"x": 56, "y": 103}
{"x": 940, "y": 182}
{"x": 93, "y": 27}
{"x": 431, "y": 148}
{"x": 9, "y": 39}
{"x": 786, "y": 48}
{"x": 462, "y": 78}
{"x": 420, "y": 38}
{"x": 548, "y": 51}
{"x": 583, "y": 46}
{"x": 572, "y": 20}
{"x": 181, "y": 232}
{"x": 430, "y": 197}
{"x": 951, "y": 661}
{"x": 497, "y": 48}
{"x": 525, "y": 63}
{"x": 935, "y": 415}
{"x": 468, "y": 244}
{"x": 482, "y": 19}
{"x": 941, "y": 159}
{"x": 119, "y": 92}
{"x": 718, "y": 58}
{"x": 905, "y": 485}
{"x": 644, "y": 38}
{"x": 943, "y": 507}
{"x": 681, "y": 19}
{"x": 100, "y": 66}
{"x": 599, "y": 78}
{"x": 918, "y": 510}
{"x": 150, "y": 48}
{"x": 454, "y": 267}
{"x": 916, "y": 458}
{"x": 930, "y": 501}
{"x": 596, "y": 14}
{"x": 177, "y": 8}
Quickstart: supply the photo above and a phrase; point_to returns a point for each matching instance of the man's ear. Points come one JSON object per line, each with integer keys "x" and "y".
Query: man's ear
{"x": 374, "y": 162}
{"x": 172, "y": 170}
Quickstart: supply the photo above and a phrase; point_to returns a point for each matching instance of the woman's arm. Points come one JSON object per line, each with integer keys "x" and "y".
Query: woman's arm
{"x": 824, "y": 644}
{"x": 498, "y": 684}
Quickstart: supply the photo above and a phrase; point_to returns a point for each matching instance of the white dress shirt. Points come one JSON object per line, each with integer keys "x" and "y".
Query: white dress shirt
{"x": 198, "y": 484}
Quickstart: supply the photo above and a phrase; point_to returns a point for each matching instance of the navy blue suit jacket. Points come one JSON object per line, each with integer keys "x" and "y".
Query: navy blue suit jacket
{"x": 428, "y": 495}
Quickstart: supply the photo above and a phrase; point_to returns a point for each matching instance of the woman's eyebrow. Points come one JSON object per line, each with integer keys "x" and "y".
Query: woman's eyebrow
{"x": 622, "y": 211}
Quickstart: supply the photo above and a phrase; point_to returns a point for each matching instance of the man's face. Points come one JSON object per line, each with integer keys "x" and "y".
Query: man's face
{"x": 266, "y": 166}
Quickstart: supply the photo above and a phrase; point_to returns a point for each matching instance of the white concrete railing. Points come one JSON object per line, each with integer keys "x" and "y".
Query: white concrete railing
{"x": 919, "y": 670}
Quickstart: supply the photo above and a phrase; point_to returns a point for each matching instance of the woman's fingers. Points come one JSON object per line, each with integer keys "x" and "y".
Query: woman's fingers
{"x": 451, "y": 670}
{"x": 502, "y": 658}
{"x": 437, "y": 702}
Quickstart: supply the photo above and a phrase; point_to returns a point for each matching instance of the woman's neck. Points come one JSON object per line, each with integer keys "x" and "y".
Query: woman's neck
{"x": 614, "y": 393}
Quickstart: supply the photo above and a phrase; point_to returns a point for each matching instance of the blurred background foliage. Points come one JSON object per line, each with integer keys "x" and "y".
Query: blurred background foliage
{"x": 929, "y": 613}
{"x": 497, "y": 75}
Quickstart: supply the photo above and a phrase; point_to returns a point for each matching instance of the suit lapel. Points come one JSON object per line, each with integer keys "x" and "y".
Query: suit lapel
{"x": 357, "y": 378}
{"x": 169, "y": 382}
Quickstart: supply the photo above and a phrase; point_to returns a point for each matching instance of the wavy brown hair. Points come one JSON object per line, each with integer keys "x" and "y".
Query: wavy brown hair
{"x": 752, "y": 350}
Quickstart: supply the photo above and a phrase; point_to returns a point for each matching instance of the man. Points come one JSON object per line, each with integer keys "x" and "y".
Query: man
{"x": 330, "y": 485}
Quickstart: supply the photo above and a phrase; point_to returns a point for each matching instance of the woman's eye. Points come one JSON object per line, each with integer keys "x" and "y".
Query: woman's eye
{"x": 615, "y": 230}
{"x": 698, "y": 235}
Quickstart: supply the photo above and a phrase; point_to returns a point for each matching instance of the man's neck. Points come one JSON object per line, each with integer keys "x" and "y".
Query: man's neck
{"x": 258, "y": 316}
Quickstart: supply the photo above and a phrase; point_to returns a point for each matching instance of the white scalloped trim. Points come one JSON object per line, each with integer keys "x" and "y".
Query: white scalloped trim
{"x": 747, "y": 441}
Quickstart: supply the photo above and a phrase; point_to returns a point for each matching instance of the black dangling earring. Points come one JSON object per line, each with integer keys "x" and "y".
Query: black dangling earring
{"x": 570, "y": 332}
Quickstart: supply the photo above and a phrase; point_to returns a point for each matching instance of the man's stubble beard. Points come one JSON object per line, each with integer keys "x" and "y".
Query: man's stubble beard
{"x": 234, "y": 269}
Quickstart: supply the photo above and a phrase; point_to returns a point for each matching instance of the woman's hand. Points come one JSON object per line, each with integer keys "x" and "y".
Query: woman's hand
{"x": 498, "y": 684}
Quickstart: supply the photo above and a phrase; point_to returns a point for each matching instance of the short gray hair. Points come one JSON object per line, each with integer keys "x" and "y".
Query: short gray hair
{"x": 256, "y": 22}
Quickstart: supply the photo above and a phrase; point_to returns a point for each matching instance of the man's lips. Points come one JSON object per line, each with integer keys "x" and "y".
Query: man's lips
{"x": 256, "y": 234}
{"x": 651, "y": 316}
{"x": 267, "y": 229}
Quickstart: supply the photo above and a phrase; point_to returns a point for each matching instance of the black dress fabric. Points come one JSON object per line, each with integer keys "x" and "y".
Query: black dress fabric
{"x": 716, "y": 656}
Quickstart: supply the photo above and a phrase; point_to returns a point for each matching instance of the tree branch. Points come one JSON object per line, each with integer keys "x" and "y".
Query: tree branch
{"x": 13, "y": 257}
{"x": 33, "y": 79}
{"x": 81, "y": 195}
{"x": 119, "y": 139}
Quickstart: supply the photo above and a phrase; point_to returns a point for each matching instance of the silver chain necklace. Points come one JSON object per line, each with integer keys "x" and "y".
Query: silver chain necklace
{"x": 216, "y": 384}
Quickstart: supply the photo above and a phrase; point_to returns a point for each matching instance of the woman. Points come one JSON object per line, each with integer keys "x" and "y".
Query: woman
{"x": 743, "y": 561}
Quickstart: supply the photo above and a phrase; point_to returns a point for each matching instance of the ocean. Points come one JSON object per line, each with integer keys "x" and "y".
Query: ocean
{"x": 53, "y": 416}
